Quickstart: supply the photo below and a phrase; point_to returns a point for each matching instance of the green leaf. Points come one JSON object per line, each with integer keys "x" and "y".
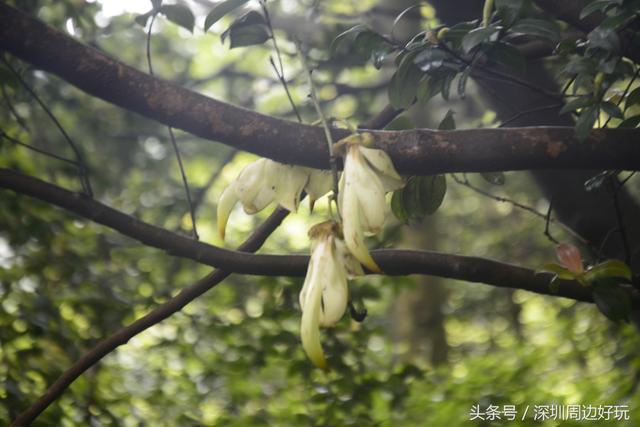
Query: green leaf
{"x": 142, "y": 19}
{"x": 401, "y": 122}
{"x": 397, "y": 206}
{"x": 632, "y": 99}
{"x": 596, "y": 6}
{"x": 403, "y": 84}
{"x": 576, "y": 103}
{"x": 462, "y": 82}
{"x": 430, "y": 192}
{"x": 509, "y": 10}
{"x": 248, "y": 30}
{"x": 478, "y": 36}
{"x": 430, "y": 59}
{"x": 178, "y": 14}
{"x": 631, "y": 122}
{"x": 596, "y": 181}
{"x": 156, "y": 4}
{"x": 585, "y": 122}
{"x": 448, "y": 123}
{"x": 609, "y": 268}
{"x": 612, "y": 110}
{"x": 537, "y": 28}
{"x": 604, "y": 38}
{"x": 494, "y": 178}
{"x": 507, "y": 54}
{"x": 221, "y": 9}
{"x": 613, "y": 301}
{"x": 560, "y": 271}
{"x": 348, "y": 35}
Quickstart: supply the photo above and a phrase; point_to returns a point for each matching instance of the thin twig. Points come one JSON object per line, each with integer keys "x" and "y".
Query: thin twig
{"x": 172, "y": 137}
{"x": 547, "y": 221}
{"x": 527, "y": 112}
{"x": 623, "y": 232}
{"x": 15, "y": 141}
{"x": 81, "y": 165}
{"x": 465, "y": 182}
{"x": 280, "y": 72}
{"x": 323, "y": 119}
{"x": 13, "y": 111}
{"x": 625, "y": 93}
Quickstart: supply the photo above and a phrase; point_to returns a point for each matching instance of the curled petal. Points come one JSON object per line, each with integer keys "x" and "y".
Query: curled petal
{"x": 319, "y": 184}
{"x": 310, "y": 302}
{"x": 351, "y": 265}
{"x": 227, "y": 201}
{"x": 335, "y": 292}
{"x": 352, "y": 225}
{"x": 380, "y": 161}
{"x": 370, "y": 193}
{"x": 289, "y": 182}
{"x": 250, "y": 187}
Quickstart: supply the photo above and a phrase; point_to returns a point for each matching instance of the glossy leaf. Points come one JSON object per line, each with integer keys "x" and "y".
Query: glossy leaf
{"x": 248, "y": 30}
{"x": 537, "y": 28}
{"x": 478, "y": 36}
{"x": 179, "y": 14}
{"x": 220, "y": 10}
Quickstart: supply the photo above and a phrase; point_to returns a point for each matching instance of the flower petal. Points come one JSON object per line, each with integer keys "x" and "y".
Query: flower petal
{"x": 381, "y": 162}
{"x": 289, "y": 182}
{"x": 227, "y": 201}
{"x": 319, "y": 184}
{"x": 310, "y": 302}
{"x": 351, "y": 217}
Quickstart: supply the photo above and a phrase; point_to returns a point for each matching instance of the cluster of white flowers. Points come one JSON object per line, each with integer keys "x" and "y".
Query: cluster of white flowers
{"x": 265, "y": 181}
{"x": 336, "y": 250}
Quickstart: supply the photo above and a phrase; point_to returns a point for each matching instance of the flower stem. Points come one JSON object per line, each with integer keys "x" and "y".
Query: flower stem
{"x": 323, "y": 120}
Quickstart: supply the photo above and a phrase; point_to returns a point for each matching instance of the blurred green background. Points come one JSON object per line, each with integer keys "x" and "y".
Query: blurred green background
{"x": 429, "y": 350}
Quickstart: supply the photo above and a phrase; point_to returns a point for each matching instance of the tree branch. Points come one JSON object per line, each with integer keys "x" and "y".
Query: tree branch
{"x": 419, "y": 151}
{"x": 394, "y": 262}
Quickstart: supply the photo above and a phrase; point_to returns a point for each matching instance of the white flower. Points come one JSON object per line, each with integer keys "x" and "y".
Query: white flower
{"x": 265, "y": 181}
{"x": 368, "y": 175}
{"x": 324, "y": 295}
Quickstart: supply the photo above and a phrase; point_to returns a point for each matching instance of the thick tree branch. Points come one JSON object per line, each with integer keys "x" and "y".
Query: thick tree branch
{"x": 393, "y": 262}
{"x": 420, "y": 151}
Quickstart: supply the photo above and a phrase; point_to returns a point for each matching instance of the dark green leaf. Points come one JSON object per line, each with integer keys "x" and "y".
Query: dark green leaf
{"x": 613, "y": 301}
{"x": 423, "y": 195}
{"x": 458, "y": 32}
{"x": 604, "y": 38}
{"x": 509, "y": 10}
{"x": 179, "y": 14}
{"x": 612, "y": 110}
{"x": 404, "y": 83}
{"x": 508, "y": 55}
{"x": 430, "y": 59}
{"x": 576, "y": 103}
{"x": 348, "y": 35}
{"x": 585, "y": 122}
{"x": 142, "y": 19}
{"x": 446, "y": 85}
{"x": 632, "y": 99}
{"x": 221, "y": 9}
{"x": 248, "y": 30}
{"x": 462, "y": 82}
{"x": 495, "y": 178}
{"x": 448, "y": 123}
{"x": 596, "y": 181}
{"x": 631, "y": 122}
{"x": 538, "y": 28}
{"x": 478, "y": 36}
{"x": 608, "y": 268}
{"x": 596, "y": 6}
